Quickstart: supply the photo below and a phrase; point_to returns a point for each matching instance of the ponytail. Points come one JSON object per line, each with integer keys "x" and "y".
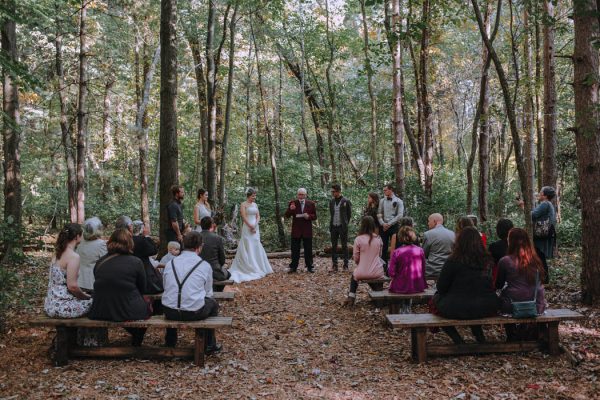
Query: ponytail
{"x": 67, "y": 234}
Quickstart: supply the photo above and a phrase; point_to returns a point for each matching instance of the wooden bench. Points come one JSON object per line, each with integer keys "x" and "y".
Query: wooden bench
{"x": 66, "y": 335}
{"x": 375, "y": 284}
{"x": 222, "y": 283}
{"x": 393, "y": 300}
{"x": 219, "y": 296}
{"x": 419, "y": 324}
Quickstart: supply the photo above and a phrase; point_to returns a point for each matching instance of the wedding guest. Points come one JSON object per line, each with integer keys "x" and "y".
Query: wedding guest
{"x": 91, "y": 248}
{"x": 475, "y": 221}
{"x": 396, "y": 240}
{"x": 173, "y": 250}
{"x": 437, "y": 245}
{"x": 391, "y": 209}
{"x": 372, "y": 208}
{"x": 407, "y": 266}
{"x": 64, "y": 298}
{"x": 520, "y": 277}
{"x": 544, "y": 213}
{"x": 367, "y": 257}
{"x": 190, "y": 299}
{"x": 340, "y": 211}
{"x": 175, "y": 214}
{"x": 213, "y": 251}
{"x": 464, "y": 288}
{"x": 119, "y": 283}
{"x": 201, "y": 209}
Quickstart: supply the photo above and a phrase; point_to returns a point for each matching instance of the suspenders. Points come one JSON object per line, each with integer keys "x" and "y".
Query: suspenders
{"x": 180, "y": 284}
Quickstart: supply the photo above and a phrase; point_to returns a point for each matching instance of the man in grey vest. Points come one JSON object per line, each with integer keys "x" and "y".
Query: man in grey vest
{"x": 437, "y": 245}
{"x": 340, "y": 211}
{"x": 391, "y": 209}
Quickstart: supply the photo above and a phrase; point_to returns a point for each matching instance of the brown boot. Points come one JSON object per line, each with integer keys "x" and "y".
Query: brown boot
{"x": 334, "y": 268}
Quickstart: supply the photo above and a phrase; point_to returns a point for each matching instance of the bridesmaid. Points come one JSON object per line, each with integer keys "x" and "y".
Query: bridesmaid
{"x": 201, "y": 209}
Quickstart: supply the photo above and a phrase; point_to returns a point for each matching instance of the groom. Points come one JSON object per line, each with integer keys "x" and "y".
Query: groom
{"x": 303, "y": 212}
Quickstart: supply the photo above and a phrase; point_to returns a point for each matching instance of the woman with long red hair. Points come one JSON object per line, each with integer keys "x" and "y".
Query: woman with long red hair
{"x": 520, "y": 272}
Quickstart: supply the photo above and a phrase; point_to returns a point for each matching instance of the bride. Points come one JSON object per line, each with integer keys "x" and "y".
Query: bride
{"x": 250, "y": 260}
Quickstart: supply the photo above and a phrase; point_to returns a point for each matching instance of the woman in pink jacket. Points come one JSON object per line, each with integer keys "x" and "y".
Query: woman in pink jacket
{"x": 367, "y": 257}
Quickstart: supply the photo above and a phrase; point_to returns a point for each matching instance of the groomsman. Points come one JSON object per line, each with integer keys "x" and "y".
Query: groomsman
{"x": 303, "y": 212}
{"x": 340, "y": 211}
{"x": 391, "y": 209}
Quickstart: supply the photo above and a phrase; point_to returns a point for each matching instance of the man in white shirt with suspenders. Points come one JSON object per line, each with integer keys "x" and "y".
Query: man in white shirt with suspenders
{"x": 188, "y": 290}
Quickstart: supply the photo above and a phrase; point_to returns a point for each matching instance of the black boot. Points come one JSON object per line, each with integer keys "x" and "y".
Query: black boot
{"x": 454, "y": 335}
{"x": 477, "y": 331}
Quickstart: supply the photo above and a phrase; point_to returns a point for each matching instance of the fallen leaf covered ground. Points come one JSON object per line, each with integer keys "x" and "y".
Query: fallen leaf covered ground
{"x": 292, "y": 340}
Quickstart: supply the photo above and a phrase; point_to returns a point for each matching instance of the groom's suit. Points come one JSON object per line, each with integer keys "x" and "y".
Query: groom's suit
{"x": 302, "y": 232}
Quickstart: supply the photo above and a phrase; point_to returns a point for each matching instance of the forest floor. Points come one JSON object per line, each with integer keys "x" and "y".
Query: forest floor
{"x": 292, "y": 340}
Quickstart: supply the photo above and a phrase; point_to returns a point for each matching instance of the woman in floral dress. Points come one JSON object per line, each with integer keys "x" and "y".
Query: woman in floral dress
{"x": 64, "y": 298}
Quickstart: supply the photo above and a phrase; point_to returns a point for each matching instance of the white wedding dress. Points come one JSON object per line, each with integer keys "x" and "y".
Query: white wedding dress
{"x": 250, "y": 260}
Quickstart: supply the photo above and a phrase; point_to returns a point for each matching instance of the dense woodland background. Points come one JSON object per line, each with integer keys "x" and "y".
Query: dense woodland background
{"x": 108, "y": 103}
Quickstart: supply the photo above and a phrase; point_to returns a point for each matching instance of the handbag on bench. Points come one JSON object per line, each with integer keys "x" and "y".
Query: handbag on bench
{"x": 527, "y": 309}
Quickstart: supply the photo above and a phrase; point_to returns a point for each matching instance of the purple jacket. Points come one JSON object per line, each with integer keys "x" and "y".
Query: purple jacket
{"x": 407, "y": 270}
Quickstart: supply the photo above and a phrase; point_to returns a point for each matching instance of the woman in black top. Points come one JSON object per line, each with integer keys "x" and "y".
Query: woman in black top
{"x": 371, "y": 209}
{"x": 119, "y": 282}
{"x": 464, "y": 288}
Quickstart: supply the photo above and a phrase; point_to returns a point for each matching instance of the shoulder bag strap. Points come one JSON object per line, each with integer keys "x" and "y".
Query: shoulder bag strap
{"x": 106, "y": 259}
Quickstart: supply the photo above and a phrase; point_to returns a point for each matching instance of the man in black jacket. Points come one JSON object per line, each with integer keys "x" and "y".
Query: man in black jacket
{"x": 213, "y": 251}
{"x": 340, "y": 211}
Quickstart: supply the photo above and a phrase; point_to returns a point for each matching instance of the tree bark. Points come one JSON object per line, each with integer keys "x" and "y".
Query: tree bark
{"x": 211, "y": 73}
{"x": 330, "y": 95}
{"x": 11, "y": 135}
{"x": 65, "y": 127}
{"x": 427, "y": 111}
{"x": 169, "y": 152}
{"x": 278, "y": 217}
{"x": 232, "y": 26}
{"x": 509, "y": 108}
{"x": 82, "y": 115}
{"x": 142, "y": 136}
{"x": 528, "y": 108}
{"x": 373, "y": 101}
{"x": 202, "y": 151}
{"x": 549, "y": 174}
{"x": 587, "y": 140}
{"x": 398, "y": 101}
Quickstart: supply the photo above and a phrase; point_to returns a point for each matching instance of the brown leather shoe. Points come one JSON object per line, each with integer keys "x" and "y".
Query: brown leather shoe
{"x": 349, "y": 301}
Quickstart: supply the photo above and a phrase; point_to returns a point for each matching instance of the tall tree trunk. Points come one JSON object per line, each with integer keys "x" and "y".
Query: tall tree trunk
{"x": 528, "y": 108}
{"x": 232, "y": 26}
{"x": 369, "y": 71}
{"x": 510, "y": 111}
{"x": 142, "y": 135}
{"x": 82, "y": 115}
{"x": 587, "y": 139}
{"x": 11, "y": 134}
{"x": 211, "y": 74}
{"x": 483, "y": 102}
{"x": 169, "y": 150}
{"x": 549, "y": 176}
{"x": 65, "y": 127}
{"x": 202, "y": 151}
{"x": 280, "y": 231}
{"x": 539, "y": 134}
{"x": 107, "y": 150}
{"x": 398, "y": 102}
{"x": 427, "y": 111}
{"x": 280, "y": 111}
{"x": 248, "y": 119}
{"x": 330, "y": 95}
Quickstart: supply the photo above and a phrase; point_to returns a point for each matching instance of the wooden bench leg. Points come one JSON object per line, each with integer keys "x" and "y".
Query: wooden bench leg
{"x": 61, "y": 346}
{"x": 418, "y": 338}
{"x": 394, "y": 308}
{"x": 553, "y": 343}
{"x": 200, "y": 339}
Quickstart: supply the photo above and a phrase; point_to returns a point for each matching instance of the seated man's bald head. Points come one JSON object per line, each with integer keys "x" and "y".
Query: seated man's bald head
{"x": 434, "y": 220}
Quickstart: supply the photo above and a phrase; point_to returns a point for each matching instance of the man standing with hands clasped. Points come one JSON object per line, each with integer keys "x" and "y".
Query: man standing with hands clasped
{"x": 340, "y": 212}
{"x": 303, "y": 212}
{"x": 391, "y": 209}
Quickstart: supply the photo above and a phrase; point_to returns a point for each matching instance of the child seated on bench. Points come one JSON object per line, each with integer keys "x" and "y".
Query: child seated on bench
{"x": 464, "y": 289}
